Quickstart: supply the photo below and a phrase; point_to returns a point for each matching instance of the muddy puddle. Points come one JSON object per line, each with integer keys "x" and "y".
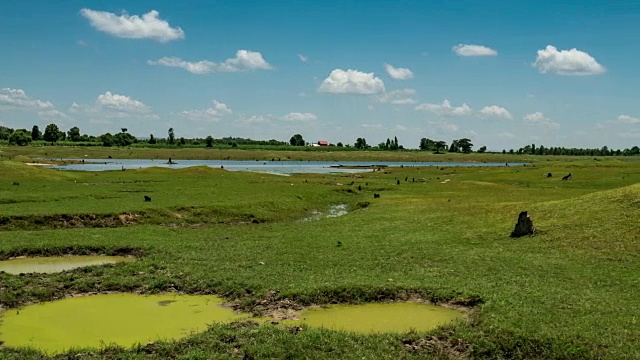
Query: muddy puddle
{"x": 56, "y": 263}
{"x": 333, "y": 211}
{"x": 378, "y": 317}
{"x": 100, "y": 320}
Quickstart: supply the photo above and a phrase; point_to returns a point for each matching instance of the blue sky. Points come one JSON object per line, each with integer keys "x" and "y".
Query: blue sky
{"x": 503, "y": 73}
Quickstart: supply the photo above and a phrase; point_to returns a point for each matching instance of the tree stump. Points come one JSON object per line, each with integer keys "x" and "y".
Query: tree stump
{"x": 524, "y": 226}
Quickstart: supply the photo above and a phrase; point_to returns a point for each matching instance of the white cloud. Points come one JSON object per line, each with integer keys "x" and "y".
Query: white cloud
{"x": 444, "y": 126}
{"x": 628, "y": 119}
{"x": 17, "y": 98}
{"x": 52, "y": 115}
{"x": 445, "y": 109}
{"x": 495, "y": 112}
{"x": 398, "y": 97}
{"x": 398, "y": 73}
{"x": 351, "y": 82}
{"x": 303, "y": 58}
{"x": 300, "y": 117}
{"x": 372, "y": 126}
{"x": 243, "y": 61}
{"x": 567, "y": 62}
{"x": 149, "y": 26}
{"x": 120, "y": 103}
{"x": 401, "y": 127}
{"x": 473, "y": 50}
{"x": 539, "y": 120}
{"x": 213, "y": 113}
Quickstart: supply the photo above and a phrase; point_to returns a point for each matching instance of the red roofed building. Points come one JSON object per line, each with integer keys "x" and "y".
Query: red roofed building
{"x": 323, "y": 143}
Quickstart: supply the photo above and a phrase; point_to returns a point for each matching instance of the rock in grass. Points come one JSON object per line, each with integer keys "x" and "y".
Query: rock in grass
{"x": 524, "y": 226}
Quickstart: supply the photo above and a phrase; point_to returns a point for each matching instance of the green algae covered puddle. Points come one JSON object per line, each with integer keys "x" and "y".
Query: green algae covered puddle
{"x": 56, "y": 263}
{"x": 379, "y": 317}
{"x": 122, "y": 319}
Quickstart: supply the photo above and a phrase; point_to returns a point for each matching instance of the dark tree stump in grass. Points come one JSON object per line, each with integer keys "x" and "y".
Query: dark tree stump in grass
{"x": 524, "y": 226}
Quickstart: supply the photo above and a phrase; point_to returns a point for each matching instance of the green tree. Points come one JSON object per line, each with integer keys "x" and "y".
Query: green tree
{"x": 361, "y": 143}
{"x": 51, "y": 133}
{"x": 339, "y": 144}
{"x": 454, "y": 146}
{"x": 465, "y": 145}
{"x": 107, "y": 139}
{"x": 152, "y": 140}
{"x": 296, "y": 140}
{"x": 209, "y": 141}
{"x": 172, "y": 136}
{"x": 74, "y": 134}
{"x": 20, "y": 137}
{"x": 439, "y": 146}
{"x": 482, "y": 149}
{"x": 5, "y": 132}
{"x": 36, "y": 134}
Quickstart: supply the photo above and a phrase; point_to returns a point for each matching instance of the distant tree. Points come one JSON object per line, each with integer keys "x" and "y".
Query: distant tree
{"x": 107, "y": 139}
{"x": 297, "y": 140}
{"x": 51, "y": 133}
{"x": 36, "y": 134}
{"x": 74, "y": 134}
{"x": 454, "y": 146}
{"x": 482, "y": 149}
{"x": 20, "y": 137}
{"x": 634, "y": 151}
{"x": 209, "y": 141}
{"x": 5, "y": 132}
{"x": 504, "y": 151}
{"x": 183, "y": 141}
{"x": 152, "y": 140}
{"x": 124, "y": 130}
{"x": 339, "y": 144}
{"x": 62, "y": 135}
{"x": 172, "y": 136}
{"x": 361, "y": 143}
{"x": 465, "y": 145}
{"x": 439, "y": 146}
{"x": 123, "y": 139}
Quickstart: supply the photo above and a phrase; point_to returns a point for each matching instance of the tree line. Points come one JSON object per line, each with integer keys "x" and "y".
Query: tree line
{"x": 53, "y": 134}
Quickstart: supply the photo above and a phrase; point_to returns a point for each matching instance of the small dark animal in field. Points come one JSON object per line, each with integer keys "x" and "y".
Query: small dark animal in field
{"x": 16, "y": 183}
{"x": 413, "y": 179}
{"x": 367, "y": 183}
{"x": 221, "y": 166}
{"x": 339, "y": 244}
{"x": 376, "y": 196}
{"x": 146, "y": 198}
{"x": 398, "y": 182}
{"x": 359, "y": 188}
{"x": 352, "y": 183}
{"x": 549, "y": 174}
{"x": 109, "y": 156}
{"x": 524, "y": 226}
{"x": 406, "y": 179}
{"x": 567, "y": 177}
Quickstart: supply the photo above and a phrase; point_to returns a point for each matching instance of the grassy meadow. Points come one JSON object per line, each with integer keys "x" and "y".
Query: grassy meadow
{"x": 572, "y": 291}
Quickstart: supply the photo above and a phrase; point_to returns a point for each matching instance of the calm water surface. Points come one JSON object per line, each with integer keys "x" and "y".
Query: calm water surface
{"x": 273, "y": 167}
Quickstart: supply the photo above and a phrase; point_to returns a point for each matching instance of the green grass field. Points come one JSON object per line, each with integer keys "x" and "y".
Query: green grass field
{"x": 569, "y": 292}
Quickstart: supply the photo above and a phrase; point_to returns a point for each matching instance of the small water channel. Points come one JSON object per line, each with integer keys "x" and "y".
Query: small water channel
{"x": 272, "y": 167}
{"x": 55, "y": 264}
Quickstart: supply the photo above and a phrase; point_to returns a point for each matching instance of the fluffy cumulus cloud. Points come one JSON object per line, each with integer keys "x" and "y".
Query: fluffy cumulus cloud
{"x": 443, "y": 126}
{"x": 473, "y": 50}
{"x": 398, "y": 97}
{"x": 538, "y": 119}
{"x": 446, "y": 109}
{"x": 52, "y": 115}
{"x": 398, "y": 73}
{"x": 147, "y": 26}
{"x": 303, "y": 58}
{"x": 495, "y": 111}
{"x": 215, "y": 112}
{"x": 626, "y": 119}
{"x": 567, "y": 62}
{"x": 18, "y": 98}
{"x": 352, "y": 82}
{"x": 296, "y": 116}
{"x": 120, "y": 103}
{"x": 243, "y": 61}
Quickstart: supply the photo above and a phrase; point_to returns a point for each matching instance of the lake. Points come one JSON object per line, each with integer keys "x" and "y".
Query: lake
{"x": 272, "y": 167}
